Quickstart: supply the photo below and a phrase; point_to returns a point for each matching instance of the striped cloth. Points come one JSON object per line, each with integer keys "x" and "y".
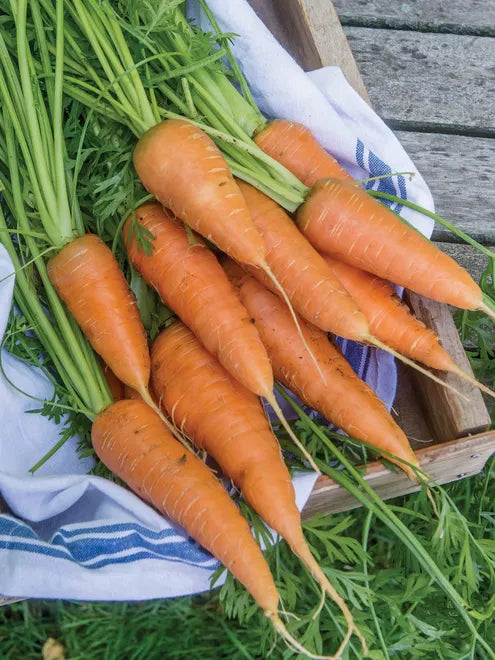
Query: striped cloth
{"x": 70, "y": 535}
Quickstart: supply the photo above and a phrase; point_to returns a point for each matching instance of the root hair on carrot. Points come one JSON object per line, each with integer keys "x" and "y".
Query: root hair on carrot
{"x": 410, "y": 363}
{"x": 318, "y": 610}
{"x": 148, "y": 399}
{"x": 472, "y": 381}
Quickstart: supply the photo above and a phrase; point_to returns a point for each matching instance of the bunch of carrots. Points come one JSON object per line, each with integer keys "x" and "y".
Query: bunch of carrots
{"x": 255, "y": 292}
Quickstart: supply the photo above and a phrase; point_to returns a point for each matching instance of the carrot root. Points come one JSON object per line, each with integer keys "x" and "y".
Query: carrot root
{"x": 266, "y": 269}
{"x": 304, "y": 554}
{"x": 469, "y": 379}
{"x": 292, "y": 642}
{"x": 278, "y": 411}
{"x": 410, "y": 363}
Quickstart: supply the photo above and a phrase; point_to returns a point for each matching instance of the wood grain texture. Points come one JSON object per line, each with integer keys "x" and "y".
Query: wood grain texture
{"x": 444, "y": 463}
{"x": 439, "y": 80}
{"x": 454, "y": 15}
{"x": 459, "y": 171}
{"x": 310, "y": 30}
{"x": 449, "y": 416}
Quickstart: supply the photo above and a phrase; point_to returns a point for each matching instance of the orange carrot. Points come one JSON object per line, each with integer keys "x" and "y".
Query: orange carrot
{"x": 392, "y": 322}
{"x": 87, "y": 277}
{"x": 228, "y": 422}
{"x": 314, "y": 291}
{"x": 294, "y": 146}
{"x": 346, "y": 400}
{"x": 115, "y": 385}
{"x": 132, "y": 441}
{"x": 190, "y": 281}
{"x": 184, "y": 169}
{"x": 340, "y": 219}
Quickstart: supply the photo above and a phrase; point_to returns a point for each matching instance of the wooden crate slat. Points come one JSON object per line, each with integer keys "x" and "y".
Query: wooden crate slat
{"x": 414, "y": 78}
{"x": 310, "y": 30}
{"x": 454, "y": 15}
{"x": 458, "y": 170}
{"x": 449, "y": 416}
{"x": 444, "y": 463}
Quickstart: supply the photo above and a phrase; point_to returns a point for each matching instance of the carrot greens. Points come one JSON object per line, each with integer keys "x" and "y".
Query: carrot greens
{"x": 37, "y": 218}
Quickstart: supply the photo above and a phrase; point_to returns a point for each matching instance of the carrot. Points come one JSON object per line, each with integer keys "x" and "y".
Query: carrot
{"x": 236, "y": 273}
{"x": 190, "y": 281}
{"x": 340, "y": 219}
{"x": 183, "y": 168}
{"x": 227, "y": 421}
{"x": 115, "y": 385}
{"x": 132, "y": 441}
{"x": 346, "y": 400}
{"x": 87, "y": 277}
{"x": 314, "y": 291}
{"x": 294, "y": 146}
{"x": 392, "y": 322}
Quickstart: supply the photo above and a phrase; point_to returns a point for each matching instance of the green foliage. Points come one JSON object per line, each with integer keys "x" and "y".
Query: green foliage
{"x": 414, "y": 617}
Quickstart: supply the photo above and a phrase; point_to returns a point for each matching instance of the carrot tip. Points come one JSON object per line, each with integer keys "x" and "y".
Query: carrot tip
{"x": 487, "y": 307}
{"x": 475, "y": 383}
{"x": 320, "y": 605}
{"x": 410, "y": 363}
{"x": 292, "y": 642}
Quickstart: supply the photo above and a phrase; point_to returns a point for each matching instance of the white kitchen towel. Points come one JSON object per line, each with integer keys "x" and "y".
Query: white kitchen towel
{"x": 75, "y": 536}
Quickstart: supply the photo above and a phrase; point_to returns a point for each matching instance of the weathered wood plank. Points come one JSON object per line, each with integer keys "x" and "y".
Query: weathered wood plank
{"x": 454, "y": 15}
{"x": 311, "y": 32}
{"x": 468, "y": 257}
{"x": 444, "y": 463}
{"x": 459, "y": 171}
{"x": 438, "y": 80}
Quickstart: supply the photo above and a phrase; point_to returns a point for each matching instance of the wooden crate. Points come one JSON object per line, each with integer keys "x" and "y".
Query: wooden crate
{"x": 448, "y": 433}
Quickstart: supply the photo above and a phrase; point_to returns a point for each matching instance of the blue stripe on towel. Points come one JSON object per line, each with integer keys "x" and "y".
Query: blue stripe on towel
{"x": 99, "y": 551}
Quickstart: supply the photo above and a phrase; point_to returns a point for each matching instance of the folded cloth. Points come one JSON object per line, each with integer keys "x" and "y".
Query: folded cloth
{"x": 70, "y": 535}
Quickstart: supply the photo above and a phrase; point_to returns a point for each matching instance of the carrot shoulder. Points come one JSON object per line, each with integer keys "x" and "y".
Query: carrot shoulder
{"x": 190, "y": 281}
{"x": 294, "y": 146}
{"x": 342, "y": 220}
{"x": 314, "y": 291}
{"x": 346, "y": 400}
